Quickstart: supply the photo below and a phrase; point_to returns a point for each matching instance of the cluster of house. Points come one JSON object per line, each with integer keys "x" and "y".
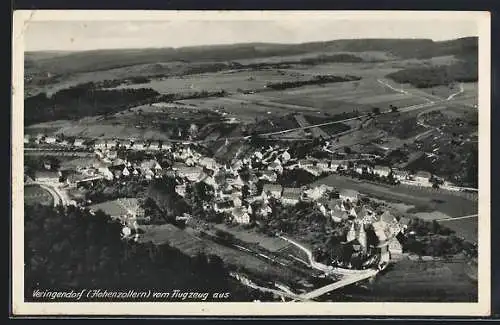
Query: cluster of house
{"x": 99, "y": 144}
{"x": 422, "y": 178}
{"x": 274, "y": 159}
{"x": 389, "y": 234}
{"x": 277, "y": 160}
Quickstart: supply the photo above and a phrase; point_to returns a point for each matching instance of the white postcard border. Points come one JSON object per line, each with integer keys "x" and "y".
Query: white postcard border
{"x": 19, "y": 307}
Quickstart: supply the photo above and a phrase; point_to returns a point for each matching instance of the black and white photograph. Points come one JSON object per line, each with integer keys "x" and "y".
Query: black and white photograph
{"x": 300, "y": 163}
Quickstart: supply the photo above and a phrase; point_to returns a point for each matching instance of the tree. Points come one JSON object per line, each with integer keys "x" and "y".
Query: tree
{"x": 394, "y": 108}
{"x": 85, "y": 251}
{"x": 347, "y": 150}
{"x": 376, "y": 110}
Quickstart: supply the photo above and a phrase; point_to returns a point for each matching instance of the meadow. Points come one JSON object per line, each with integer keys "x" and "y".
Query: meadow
{"x": 34, "y": 194}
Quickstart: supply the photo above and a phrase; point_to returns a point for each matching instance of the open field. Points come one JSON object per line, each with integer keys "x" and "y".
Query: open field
{"x": 230, "y": 81}
{"x": 34, "y": 194}
{"x": 453, "y": 206}
{"x": 467, "y": 227}
{"x": 360, "y": 95}
{"x": 412, "y": 281}
{"x": 332, "y": 98}
{"x": 272, "y": 244}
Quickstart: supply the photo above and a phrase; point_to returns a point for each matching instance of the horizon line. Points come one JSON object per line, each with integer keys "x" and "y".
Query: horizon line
{"x": 247, "y": 43}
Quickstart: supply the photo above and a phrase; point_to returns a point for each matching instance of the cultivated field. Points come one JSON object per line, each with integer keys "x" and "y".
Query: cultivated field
{"x": 331, "y": 98}
{"x": 190, "y": 244}
{"x": 230, "y": 81}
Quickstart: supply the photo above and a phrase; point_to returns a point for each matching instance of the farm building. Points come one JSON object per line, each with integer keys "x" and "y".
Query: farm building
{"x": 382, "y": 171}
{"x": 422, "y": 177}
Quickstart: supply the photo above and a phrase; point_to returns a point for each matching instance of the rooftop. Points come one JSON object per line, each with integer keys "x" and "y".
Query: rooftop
{"x": 384, "y": 168}
{"x": 46, "y": 174}
{"x": 292, "y": 192}
{"x": 348, "y": 192}
{"x": 271, "y": 187}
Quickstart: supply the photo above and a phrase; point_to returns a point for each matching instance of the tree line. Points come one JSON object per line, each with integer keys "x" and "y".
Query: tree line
{"x": 83, "y": 100}
{"x": 427, "y": 77}
{"x": 317, "y": 80}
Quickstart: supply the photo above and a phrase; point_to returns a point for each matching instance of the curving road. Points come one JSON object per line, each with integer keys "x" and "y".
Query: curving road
{"x": 59, "y": 199}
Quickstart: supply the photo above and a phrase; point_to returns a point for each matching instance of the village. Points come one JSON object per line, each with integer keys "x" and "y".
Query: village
{"x": 241, "y": 192}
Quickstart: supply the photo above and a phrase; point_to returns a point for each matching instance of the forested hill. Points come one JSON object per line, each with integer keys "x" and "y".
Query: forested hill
{"x": 106, "y": 59}
{"x": 75, "y": 250}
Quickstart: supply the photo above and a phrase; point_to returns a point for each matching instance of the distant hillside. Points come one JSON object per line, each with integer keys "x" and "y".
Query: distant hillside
{"x": 61, "y": 63}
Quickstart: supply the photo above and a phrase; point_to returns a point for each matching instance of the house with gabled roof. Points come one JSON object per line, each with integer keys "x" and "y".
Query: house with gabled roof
{"x": 100, "y": 144}
{"x": 111, "y": 144}
{"x": 50, "y": 140}
{"x": 268, "y": 175}
{"x": 240, "y": 215}
{"x": 349, "y": 195}
{"x": 139, "y": 145}
{"x": 224, "y": 206}
{"x": 154, "y": 145}
{"x": 400, "y": 174}
{"x": 382, "y": 171}
{"x": 272, "y": 190}
{"x": 78, "y": 142}
{"x": 291, "y": 195}
{"x": 47, "y": 176}
{"x": 422, "y": 177}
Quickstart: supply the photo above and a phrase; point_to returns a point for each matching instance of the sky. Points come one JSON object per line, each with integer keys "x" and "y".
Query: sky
{"x": 91, "y": 35}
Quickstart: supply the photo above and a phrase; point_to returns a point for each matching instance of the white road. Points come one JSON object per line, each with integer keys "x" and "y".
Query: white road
{"x": 351, "y": 279}
{"x": 458, "y": 218}
{"x": 457, "y": 93}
